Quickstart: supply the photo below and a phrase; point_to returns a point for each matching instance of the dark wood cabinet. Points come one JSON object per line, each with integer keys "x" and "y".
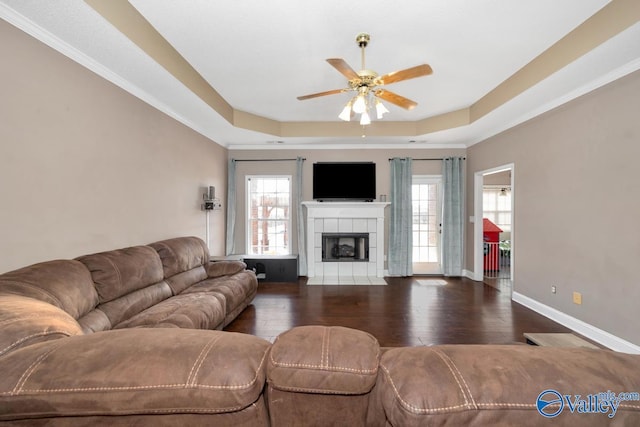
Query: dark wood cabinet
{"x": 283, "y": 268}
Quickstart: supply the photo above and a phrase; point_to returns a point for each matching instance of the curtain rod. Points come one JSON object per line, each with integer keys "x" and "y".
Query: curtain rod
{"x": 266, "y": 160}
{"x": 440, "y": 158}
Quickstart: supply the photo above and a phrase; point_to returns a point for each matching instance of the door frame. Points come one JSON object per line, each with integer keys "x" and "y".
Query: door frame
{"x": 478, "y": 253}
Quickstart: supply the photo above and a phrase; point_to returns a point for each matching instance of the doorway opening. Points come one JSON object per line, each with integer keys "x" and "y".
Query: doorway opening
{"x": 494, "y": 227}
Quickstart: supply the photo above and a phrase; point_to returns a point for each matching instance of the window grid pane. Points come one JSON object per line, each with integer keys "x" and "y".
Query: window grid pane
{"x": 269, "y": 211}
{"x": 496, "y": 206}
{"x": 425, "y": 224}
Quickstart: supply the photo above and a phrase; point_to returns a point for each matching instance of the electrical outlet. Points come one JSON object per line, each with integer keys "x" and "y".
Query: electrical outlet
{"x": 577, "y": 298}
{"x": 553, "y": 289}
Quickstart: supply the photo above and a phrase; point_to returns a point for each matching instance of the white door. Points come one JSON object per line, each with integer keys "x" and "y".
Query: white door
{"x": 426, "y": 203}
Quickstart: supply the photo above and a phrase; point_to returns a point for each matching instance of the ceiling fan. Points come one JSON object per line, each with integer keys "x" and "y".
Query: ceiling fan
{"x": 368, "y": 85}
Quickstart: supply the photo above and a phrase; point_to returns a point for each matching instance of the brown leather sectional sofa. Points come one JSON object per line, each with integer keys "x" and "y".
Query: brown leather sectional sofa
{"x": 125, "y": 338}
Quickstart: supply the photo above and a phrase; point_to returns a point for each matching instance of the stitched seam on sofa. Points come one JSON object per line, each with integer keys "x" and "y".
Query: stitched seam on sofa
{"x": 317, "y": 390}
{"x": 533, "y": 405}
{"x": 129, "y": 388}
{"x": 39, "y": 334}
{"x": 27, "y": 373}
{"x": 322, "y": 367}
{"x": 37, "y": 288}
{"x": 415, "y": 409}
{"x": 255, "y": 378}
{"x": 195, "y": 368}
{"x": 498, "y": 405}
{"x": 34, "y": 316}
{"x": 151, "y": 387}
{"x": 457, "y": 374}
{"x": 145, "y": 411}
{"x": 240, "y": 386}
{"x": 324, "y": 358}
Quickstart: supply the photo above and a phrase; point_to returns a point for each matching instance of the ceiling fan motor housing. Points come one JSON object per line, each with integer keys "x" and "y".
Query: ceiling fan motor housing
{"x": 365, "y": 78}
{"x": 363, "y": 39}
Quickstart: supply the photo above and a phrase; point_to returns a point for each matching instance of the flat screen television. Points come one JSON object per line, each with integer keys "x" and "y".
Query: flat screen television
{"x": 342, "y": 181}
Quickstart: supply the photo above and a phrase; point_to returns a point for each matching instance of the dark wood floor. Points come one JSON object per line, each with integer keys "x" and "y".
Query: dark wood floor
{"x": 405, "y": 312}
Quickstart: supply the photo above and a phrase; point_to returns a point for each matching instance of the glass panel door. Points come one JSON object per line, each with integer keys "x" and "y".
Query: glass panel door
{"x": 426, "y": 206}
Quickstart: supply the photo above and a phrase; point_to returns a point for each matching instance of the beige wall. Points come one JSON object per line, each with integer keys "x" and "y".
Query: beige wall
{"x": 85, "y": 167}
{"x": 499, "y": 178}
{"x": 380, "y": 157}
{"x": 576, "y": 205}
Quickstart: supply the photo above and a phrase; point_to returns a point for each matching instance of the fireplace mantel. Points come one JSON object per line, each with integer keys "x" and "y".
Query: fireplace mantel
{"x": 345, "y": 209}
{"x": 345, "y": 217}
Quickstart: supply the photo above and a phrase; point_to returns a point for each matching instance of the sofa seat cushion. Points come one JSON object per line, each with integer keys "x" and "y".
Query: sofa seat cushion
{"x": 324, "y": 360}
{"x": 133, "y": 372}
{"x": 127, "y": 306}
{"x": 235, "y": 289}
{"x": 476, "y": 385}
{"x": 192, "y": 311}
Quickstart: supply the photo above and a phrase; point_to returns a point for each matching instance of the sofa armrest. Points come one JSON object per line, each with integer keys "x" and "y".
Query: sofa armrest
{"x": 134, "y": 372}
{"x": 25, "y": 321}
{"x": 224, "y": 268}
{"x": 475, "y": 385}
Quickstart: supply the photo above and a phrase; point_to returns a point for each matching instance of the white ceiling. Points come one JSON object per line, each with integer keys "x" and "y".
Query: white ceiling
{"x": 260, "y": 55}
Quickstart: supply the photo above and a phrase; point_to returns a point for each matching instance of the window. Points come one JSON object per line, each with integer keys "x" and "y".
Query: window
{"x": 496, "y": 205}
{"x": 425, "y": 201}
{"x": 269, "y": 215}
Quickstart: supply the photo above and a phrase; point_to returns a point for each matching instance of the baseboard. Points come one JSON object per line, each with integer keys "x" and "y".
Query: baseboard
{"x": 598, "y": 335}
{"x": 471, "y": 275}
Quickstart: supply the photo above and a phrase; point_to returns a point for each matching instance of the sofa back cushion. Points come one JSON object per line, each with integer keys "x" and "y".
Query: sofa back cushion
{"x": 127, "y": 281}
{"x": 122, "y": 271}
{"x": 183, "y": 261}
{"x": 65, "y": 284}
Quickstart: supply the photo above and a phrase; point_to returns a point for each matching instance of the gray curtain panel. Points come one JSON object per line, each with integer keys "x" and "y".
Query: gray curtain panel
{"x": 231, "y": 207}
{"x": 400, "y": 261}
{"x": 452, "y": 216}
{"x": 302, "y": 245}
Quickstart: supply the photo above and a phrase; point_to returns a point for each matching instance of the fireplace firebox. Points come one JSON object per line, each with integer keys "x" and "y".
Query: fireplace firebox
{"x": 351, "y": 247}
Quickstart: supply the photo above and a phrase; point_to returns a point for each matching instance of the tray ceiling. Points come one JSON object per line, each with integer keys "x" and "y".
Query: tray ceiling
{"x": 232, "y": 70}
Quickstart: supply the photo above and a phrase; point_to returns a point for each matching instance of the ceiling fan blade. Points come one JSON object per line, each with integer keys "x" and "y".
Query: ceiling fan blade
{"x": 315, "y": 95}
{"x": 409, "y": 73}
{"x": 396, "y": 99}
{"x": 340, "y": 65}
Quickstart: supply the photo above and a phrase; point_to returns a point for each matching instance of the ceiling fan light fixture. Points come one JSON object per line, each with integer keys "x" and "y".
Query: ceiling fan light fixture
{"x": 380, "y": 109}
{"x": 365, "y": 119}
{"x": 346, "y": 112}
{"x": 360, "y": 104}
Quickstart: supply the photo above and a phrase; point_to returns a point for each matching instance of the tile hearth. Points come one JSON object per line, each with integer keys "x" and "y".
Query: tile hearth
{"x": 346, "y": 280}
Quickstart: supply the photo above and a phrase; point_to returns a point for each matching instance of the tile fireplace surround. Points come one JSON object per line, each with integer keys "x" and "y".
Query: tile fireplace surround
{"x": 345, "y": 217}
